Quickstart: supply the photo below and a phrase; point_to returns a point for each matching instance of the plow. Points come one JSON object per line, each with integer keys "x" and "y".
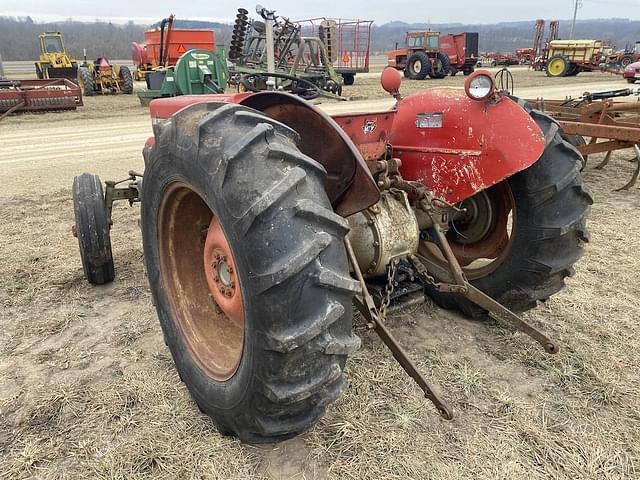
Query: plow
{"x": 610, "y": 125}
{"x": 266, "y": 222}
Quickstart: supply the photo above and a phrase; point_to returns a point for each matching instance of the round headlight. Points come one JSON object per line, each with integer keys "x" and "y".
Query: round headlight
{"x": 479, "y": 85}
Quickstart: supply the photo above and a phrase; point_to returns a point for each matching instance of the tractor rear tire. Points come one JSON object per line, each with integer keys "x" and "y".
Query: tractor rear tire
{"x": 576, "y": 141}
{"x": 86, "y": 81}
{"x": 549, "y": 230}
{"x": 92, "y": 229}
{"x": 443, "y": 64}
{"x": 127, "y": 80}
{"x": 286, "y": 246}
{"x": 418, "y": 66}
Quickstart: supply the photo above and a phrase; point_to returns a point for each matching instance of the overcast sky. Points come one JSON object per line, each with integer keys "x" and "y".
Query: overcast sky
{"x": 464, "y": 11}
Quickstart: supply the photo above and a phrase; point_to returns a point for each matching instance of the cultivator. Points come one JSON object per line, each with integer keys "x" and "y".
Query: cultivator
{"x": 273, "y": 54}
{"x": 38, "y": 95}
{"x": 264, "y": 221}
{"x": 610, "y": 125}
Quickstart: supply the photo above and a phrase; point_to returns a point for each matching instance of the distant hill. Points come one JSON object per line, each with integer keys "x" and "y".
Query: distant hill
{"x": 19, "y": 36}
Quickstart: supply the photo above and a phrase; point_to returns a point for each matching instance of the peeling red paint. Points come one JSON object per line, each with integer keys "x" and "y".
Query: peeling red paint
{"x": 479, "y": 144}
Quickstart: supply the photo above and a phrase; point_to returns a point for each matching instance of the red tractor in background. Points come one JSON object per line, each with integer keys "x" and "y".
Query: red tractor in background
{"x": 429, "y": 54}
{"x": 421, "y": 57}
{"x": 264, "y": 220}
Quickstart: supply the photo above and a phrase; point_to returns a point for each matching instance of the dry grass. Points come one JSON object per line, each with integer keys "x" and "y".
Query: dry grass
{"x": 88, "y": 388}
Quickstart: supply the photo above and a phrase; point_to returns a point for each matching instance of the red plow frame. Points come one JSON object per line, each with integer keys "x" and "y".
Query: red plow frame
{"x": 38, "y": 95}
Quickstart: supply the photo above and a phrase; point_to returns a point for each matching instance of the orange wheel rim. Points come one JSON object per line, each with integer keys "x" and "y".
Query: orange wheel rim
{"x": 200, "y": 281}
{"x": 221, "y": 274}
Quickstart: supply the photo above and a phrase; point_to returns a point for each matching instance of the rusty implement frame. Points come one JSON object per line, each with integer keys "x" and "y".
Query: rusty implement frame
{"x": 38, "y": 95}
{"x": 611, "y": 125}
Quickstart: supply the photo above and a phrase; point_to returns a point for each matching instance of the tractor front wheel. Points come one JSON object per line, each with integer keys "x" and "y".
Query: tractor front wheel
{"x": 441, "y": 66}
{"x": 518, "y": 240}
{"x": 248, "y": 270}
{"x": 92, "y": 229}
{"x": 85, "y": 78}
{"x": 418, "y": 66}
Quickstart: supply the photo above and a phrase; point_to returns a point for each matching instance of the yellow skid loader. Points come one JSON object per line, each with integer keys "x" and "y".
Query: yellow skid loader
{"x": 54, "y": 60}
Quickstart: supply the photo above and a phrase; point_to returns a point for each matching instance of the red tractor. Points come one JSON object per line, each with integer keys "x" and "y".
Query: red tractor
{"x": 421, "y": 56}
{"x": 264, "y": 220}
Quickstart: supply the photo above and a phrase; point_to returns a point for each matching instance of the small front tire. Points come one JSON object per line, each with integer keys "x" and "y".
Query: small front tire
{"x": 92, "y": 229}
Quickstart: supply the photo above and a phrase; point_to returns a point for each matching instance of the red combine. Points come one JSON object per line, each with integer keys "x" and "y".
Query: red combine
{"x": 163, "y": 46}
{"x": 264, "y": 221}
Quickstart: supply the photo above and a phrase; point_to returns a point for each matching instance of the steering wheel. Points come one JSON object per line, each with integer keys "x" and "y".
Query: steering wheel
{"x": 298, "y": 86}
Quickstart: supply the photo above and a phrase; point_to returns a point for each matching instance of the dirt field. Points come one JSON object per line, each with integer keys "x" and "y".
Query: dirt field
{"x": 88, "y": 388}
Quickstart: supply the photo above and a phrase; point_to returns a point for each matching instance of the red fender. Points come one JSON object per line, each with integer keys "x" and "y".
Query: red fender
{"x": 462, "y": 146}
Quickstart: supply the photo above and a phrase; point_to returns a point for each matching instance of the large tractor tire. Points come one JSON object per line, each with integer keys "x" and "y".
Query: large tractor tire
{"x": 92, "y": 229}
{"x": 248, "y": 270}
{"x": 558, "y": 66}
{"x": 522, "y": 236}
{"x": 85, "y": 78}
{"x": 127, "y": 80}
{"x": 441, "y": 66}
{"x": 576, "y": 141}
{"x": 418, "y": 66}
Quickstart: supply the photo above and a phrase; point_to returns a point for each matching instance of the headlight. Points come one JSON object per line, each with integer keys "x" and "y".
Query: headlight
{"x": 479, "y": 85}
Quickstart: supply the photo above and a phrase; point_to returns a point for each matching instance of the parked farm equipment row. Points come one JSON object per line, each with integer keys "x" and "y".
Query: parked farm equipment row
{"x": 264, "y": 220}
{"x": 608, "y": 124}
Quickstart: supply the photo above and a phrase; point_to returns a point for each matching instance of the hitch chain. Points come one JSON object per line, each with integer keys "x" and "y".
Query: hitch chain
{"x": 392, "y": 273}
{"x": 375, "y": 319}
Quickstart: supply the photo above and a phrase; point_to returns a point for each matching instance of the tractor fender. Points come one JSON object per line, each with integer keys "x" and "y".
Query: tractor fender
{"x": 349, "y": 185}
{"x": 457, "y": 146}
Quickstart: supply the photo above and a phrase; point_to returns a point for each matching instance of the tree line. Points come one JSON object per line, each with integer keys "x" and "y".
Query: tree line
{"x": 19, "y": 36}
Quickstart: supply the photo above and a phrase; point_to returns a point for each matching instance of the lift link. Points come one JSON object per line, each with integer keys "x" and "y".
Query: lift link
{"x": 375, "y": 320}
{"x": 462, "y": 286}
{"x": 457, "y": 281}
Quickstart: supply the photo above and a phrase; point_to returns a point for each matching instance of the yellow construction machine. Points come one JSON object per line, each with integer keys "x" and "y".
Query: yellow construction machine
{"x": 54, "y": 60}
